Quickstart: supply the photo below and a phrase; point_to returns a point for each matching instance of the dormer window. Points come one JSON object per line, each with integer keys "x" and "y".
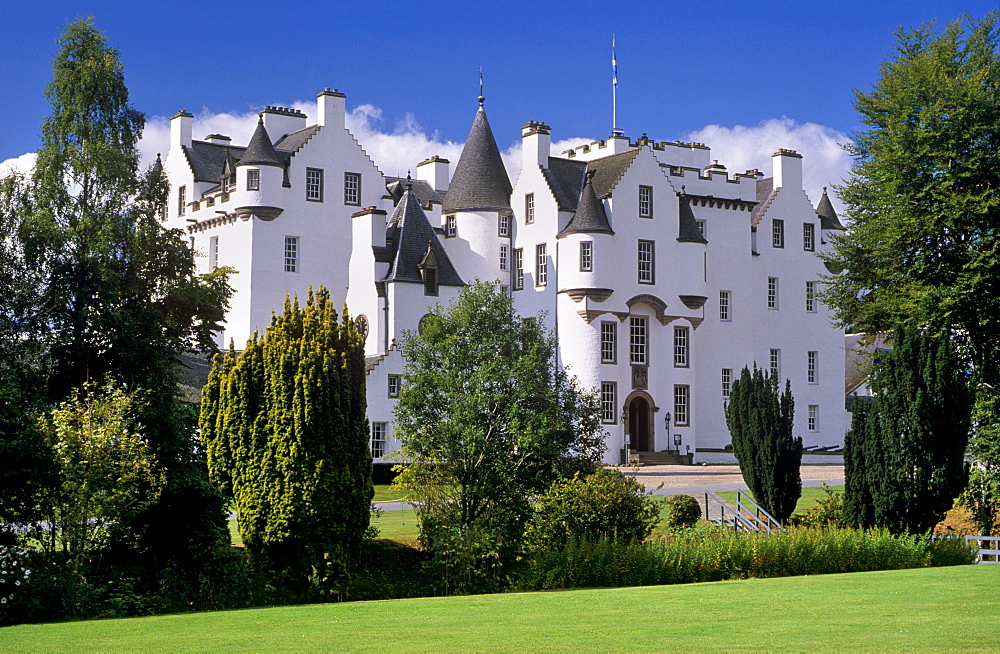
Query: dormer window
{"x": 429, "y": 271}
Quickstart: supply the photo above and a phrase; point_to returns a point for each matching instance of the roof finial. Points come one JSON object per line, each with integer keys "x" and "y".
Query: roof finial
{"x": 824, "y": 190}
{"x": 409, "y": 183}
{"x": 482, "y": 99}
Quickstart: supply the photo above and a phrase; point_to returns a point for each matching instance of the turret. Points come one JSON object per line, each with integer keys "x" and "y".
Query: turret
{"x": 586, "y": 247}
{"x": 259, "y": 174}
{"x": 690, "y": 268}
{"x": 827, "y": 215}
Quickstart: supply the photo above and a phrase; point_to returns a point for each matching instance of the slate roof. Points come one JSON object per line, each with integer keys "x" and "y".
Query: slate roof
{"x": 208, "y": 159}
{"x": 608, "y": 170}
{"x": 590, "y": 217}
{"x": 407, "y": 234}
{"x": 565, "y": 177}
{"x": 260, "y": 151}
{"x": 857, "y": 357}
{"x": 480, "y": 182}
{"x": 192, "y": 375}
{"x": 828, "y": 217}
{"x": 765, "y": 195}
{"x": 294, "y": 141}
{"x": 422, "y": 189}
{"x": 688, "y": 231}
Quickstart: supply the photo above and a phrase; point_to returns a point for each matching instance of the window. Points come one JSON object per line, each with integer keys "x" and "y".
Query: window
{"x": 163, "y": 211}
{"x": 681, "y": 347}
{"x": 529, "y": 208}
{"x": 541, "y": 265}
{"x": 450, "y": 226}
{"x": 811, "y": 297}
{"x": 646, "y": 262}
{"x": 725, "y": 302}
{"x": 393, "y": 385}
{"x": 314, "y": 184}
{"x": 772, "y": 292}
{"x": 586, "y": 256}
{"x": 813, "y": 418}
{"x": 504, "y": 257}
{"x": 609, "y": 402}
{"x": 253, "y": 180}
{"x": 213, "y": 252}
{"x": 645, "y": 201}
{"x": 430, "y": 281}
{"x": 778, "y": 233}
{"x": 775, "y": 363}
{"x": 181, "y": 200}
{"x": 812, "y": 359}
{"x": 518, "y": 269}
{"x": 352, "y": 189}
{"x": 808, "y": 237}
{"x": 378, "y": 439}
{"x": 681, "y": 405}
{"x": 702, "y": 227}
{"x": 503, "y": 226}
{"x": 727, "y": 382}
{"x": 637, "y": 341}
{"x": 609, "y": 342}
{"x": 292, "y": 254}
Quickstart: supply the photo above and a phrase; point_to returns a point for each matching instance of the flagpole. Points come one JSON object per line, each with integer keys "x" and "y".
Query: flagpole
{"x": 614, "y": 88}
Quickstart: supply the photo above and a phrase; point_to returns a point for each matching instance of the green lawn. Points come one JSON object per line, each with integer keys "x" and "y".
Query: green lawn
{"x": 394, "y": 525}
{"x": 810, "y": 496}
{"x": 383, "y": 494}
{"x": 925, "y": 609}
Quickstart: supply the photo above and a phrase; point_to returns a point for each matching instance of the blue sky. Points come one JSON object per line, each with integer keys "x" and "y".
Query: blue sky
{"x": 686, "y": 69}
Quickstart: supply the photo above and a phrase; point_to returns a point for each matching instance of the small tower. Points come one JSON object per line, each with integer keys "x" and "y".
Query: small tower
{"x": 259, "y": 175}
{"x": 690, "y": 269}
{"x": 588, "y": 244}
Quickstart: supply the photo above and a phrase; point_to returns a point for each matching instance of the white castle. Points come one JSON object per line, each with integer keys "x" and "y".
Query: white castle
{"x": 661, "y": 273}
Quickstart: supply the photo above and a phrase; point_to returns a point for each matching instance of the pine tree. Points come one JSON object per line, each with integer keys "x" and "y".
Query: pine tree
{"x": 860, "y": 445}
{"x": 760, "y": 423}
{"x": 284, "y": 426}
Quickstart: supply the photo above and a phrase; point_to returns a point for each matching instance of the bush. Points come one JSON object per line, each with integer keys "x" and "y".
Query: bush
{"x": 604, "y": 504}
{"x": 952, "y": 550}
{"x": 684, "y": 511}
{"x": 827, "y": 512}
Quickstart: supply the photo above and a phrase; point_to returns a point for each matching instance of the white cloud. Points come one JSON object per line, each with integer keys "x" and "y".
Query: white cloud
{"x": 24, "y": 164}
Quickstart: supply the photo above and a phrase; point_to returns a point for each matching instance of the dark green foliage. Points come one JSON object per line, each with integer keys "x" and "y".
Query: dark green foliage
{"x": 952, "y": 550}
{"x": 285, "y": 429}
{"x": 684, "y": 511}
{"x": 982, "y": 495}
{"x": 904, "y": 457}
{"x": 603, "y": 504}
{"x": 760, "y": 422}
{"x": 487, "y": 421}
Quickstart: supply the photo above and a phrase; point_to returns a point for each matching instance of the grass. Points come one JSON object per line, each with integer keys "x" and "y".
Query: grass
{"x": 926, "y": 609}
{"x": 383, "y": 493}
{"x": 810, "y": 497}
{"x": 399, "y": 526}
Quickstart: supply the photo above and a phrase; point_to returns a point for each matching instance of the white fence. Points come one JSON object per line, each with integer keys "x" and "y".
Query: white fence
{"x": 989, "y": 548}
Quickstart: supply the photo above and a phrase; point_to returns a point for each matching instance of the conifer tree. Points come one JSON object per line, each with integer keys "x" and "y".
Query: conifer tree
{"x": 760, "y": 424}
{"x": 860, "y": 454}
{"x": 284, "y": 426}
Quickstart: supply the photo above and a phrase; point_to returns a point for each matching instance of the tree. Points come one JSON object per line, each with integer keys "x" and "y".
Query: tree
{"x": 114, "y": 294}
{"x": 760, "y": 422}
{"x": 286, "y": 433}
{"x": 904, "y": 458}
{"x": 487, "y": 420}
{"x": 982, "y": 494}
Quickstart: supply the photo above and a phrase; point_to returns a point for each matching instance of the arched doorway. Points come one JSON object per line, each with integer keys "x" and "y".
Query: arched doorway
{"x": 639, "y": 425}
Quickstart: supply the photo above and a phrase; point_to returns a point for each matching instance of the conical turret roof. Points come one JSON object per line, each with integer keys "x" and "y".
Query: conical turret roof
{"x": 410, "y": 234}
{"x": 480, "y": 182}
{"x": 260, "y": 151}
{"x": 688, "y": 230}
{"x": 590, "y": 216}
{"x": 828, "y": 217}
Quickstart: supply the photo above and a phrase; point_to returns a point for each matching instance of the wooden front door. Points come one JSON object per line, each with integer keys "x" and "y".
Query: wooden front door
{"x": 638, "y": 424}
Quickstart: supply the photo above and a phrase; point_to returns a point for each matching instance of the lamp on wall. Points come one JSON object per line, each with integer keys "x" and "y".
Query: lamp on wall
{"x": 666, "y": 424}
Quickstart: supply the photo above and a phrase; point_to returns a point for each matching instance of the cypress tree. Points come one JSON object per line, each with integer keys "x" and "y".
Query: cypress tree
{"x": 860, "y": 444}
{"x": 286, "y": 434}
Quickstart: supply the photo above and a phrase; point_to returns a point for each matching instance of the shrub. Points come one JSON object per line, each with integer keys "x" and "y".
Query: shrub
{"x": 827, "y": 512}
{"x": 952, "y": 550}
{"x": 684, "y": 511}
{"x": 604, "y": 504}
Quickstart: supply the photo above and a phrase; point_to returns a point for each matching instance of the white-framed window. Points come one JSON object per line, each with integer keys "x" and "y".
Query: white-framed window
{"x": 727, "y": 382}
{"x": 609, "y": 342}
{"x": 808, "y": 237}
{"x": 586, "y": 256}
{"x": 775, "y": 363}
{"x": 529, "y": 208}
{"x": 503, "y": 225}
{"x": 291, "y": 254}
{"x": 504, "y": 257}
{"x": 772, "y": 292}
{"x": 778, "y": 233}
{"x": 609, "y": 402}
{"x": 682, "y": 405}
{"x": 681, "y": 349}
{"x": 352, "y": 189}
{"x": 393, "y": 384}
{"x": 637, "y": 341}
{"x": 314, "y": 184}
{"x": 812, "y": 367}
{"x": 646, "y": 260}
{"x": 378, "y": 439}
{"x": 181, "y": 200}
{"x": 213, "y": 252}
{"x": 450, "y": 226}
{"x": 645, "y": 201}
{"x": 812, "y": 419}
{"x": 541, "y": 265}
{"x": 702, "y": 227}
{"x": 253, "y": 180}
{"x": 811, "y": 297}
{"x": 725, "y": 305}
{"x": 518, "y": 269}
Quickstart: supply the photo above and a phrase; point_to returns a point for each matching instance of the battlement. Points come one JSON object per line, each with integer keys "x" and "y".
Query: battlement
{"x": 282, "y": 111}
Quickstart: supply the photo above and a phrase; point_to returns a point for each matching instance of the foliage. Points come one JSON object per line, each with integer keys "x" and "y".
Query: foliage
{"x": 982, "y": 494}
{"x": 684, "y": 512}
{"x": 760, "y": 422}
{"x": 285, "y": 429}
{"x": 487, "y": 420}
{"x": 605, "y": 504}
{"x": 952, "y": 550}
{"x": 828, "y": 512}
{"x": 904, "y": 460}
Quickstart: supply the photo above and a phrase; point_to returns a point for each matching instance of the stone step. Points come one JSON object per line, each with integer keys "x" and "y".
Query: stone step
{"x": 660, "y": 458}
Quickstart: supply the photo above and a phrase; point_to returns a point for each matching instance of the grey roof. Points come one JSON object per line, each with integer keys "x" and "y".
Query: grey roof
{"x": 208, "y": 159}
{"x": 422, "y": 189}
{"x": 828, "y": 217}
{"x": 608, "y": 170}
{"x": 294, "y": 141}
{"x": 408, "y": 233}
{"x": 590, "y": 217}
{"x": 192, "y": 375}
{"x": 765, "y": 195}
{"x": 565, "y": 177}
{"x": 858, "y": 352}
{"x": 260, "y": 151}
{"x": 688, "y": 231}
{"x": 480, "y": 182}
